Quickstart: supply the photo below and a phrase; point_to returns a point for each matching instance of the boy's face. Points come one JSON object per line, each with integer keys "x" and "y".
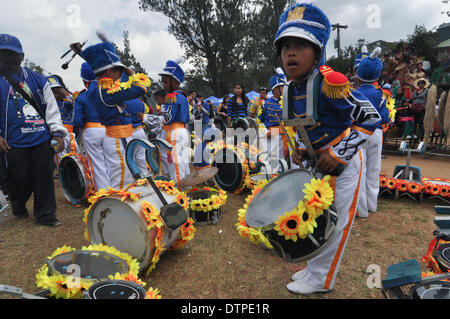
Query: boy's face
{"x": 298, "y": 57}
{"x": 169, "y": 83}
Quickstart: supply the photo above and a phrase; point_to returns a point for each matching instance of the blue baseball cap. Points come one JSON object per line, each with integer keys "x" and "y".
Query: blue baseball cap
{"x": 10, "y": 42}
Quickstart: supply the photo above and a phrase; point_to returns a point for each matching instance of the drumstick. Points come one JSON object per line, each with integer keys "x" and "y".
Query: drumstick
{"x": 294, "y": 149}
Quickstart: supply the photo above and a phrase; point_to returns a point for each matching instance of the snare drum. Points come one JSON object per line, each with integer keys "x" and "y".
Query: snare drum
{"x": 436, "y": 188}
{"x": 68, "y": 273}
{"x": 205, "y": 205}
{"x": 432, "y": 290}
{"x": 281, "y": 195}
{"x": 130, "y": 220}
{"x": 75, "y": 179}
{"x": 116, "y": 289}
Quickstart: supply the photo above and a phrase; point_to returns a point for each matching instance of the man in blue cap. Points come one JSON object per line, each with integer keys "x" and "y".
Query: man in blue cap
{"x": 109, "y": 96}
{"x": 29, "y": 122}
{"x": 93, "y": 132}
{"x": 176, "y": 116}
{"x": 367, "y": 74}
{"x": 317, "y": 91}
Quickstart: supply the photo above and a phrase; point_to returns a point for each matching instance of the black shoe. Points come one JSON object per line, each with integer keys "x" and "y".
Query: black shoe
{"x": 53, "y": 223}
{"x": 21, "y": 215}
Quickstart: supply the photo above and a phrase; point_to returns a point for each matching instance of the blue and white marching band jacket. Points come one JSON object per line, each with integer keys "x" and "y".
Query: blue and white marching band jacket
{"x": 20, "y": 123}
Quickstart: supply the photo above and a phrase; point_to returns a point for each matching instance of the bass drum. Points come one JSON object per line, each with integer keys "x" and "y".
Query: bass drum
{"x": 75, "y": 179}
{"x": 123, "y": 224}
{"x": 233, "y": 169}
{"x": 282, "y": 195}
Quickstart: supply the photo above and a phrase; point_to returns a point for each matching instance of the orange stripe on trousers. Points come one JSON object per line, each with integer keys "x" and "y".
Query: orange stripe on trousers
{"x": 175, "y": 155}
{"x": 351, "y": 216}
{"x": 122, "y": 165}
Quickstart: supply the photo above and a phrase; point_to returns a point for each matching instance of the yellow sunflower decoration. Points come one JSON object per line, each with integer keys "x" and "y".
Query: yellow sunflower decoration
{"x": 63, "y": 286}
{"x": 319, "y": 194}
{"x": 217, "y": 199}
{"x": 113, "y": 87}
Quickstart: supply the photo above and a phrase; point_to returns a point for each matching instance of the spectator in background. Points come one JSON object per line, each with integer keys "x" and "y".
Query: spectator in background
{"x": 406, "y": 119}
{"x": 237, "y": 105}
{"x": 420, "y": 95}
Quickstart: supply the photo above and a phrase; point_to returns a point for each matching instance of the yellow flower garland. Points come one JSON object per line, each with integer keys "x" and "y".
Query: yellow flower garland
{"x": 116, "y": 86}
{"x": 217, "y": 200}
{"x": 59, "y": 284}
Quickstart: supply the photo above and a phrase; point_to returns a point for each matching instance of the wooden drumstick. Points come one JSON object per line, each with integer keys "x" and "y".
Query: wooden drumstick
{"x": 294, "y": 149}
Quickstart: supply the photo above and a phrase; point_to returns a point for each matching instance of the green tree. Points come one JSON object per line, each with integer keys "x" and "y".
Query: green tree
{"x": 347, "y": 60}
{"x": 423, "y": 43}
{"x": 34, "y": 67}
{"x": 214, "y": 34}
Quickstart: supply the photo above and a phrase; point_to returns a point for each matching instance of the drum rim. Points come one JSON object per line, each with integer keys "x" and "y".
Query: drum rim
{"x": 439, "y": 256}
{"x": 81, "y": 169}
{"x": 442, "y": 283}
{"x": 51, "y": 261}
{"x": 126, "y": 283}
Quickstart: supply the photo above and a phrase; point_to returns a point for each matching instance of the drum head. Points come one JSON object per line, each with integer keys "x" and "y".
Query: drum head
{"x": 92, "y": 264}
{"x": 116, "y": 289}
{"x": 231, "y": 172}
{"x": 120, "y": 224}
{"x": 281, "y": 195}
{"x": 115, "y": 223}
{"x": 72, "y": 180}
{"x": 241, "y": 123}
{"x": 434, "y": 290}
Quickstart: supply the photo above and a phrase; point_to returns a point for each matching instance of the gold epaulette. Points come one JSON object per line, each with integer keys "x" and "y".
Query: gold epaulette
{"x": 171, "y": 98}
{"x": 335, "y": 85}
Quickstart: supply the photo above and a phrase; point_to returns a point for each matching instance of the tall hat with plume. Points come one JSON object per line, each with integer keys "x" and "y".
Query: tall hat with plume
{"x": 305, "y": 21}
{"x": 370, "y": 68}
{"x": 278, "y": 79}
{"x": 174, "y": 70}
{"x": 364, "y": 54}
{"x": 86, "y": 73}
{"x": 102, "y": 56}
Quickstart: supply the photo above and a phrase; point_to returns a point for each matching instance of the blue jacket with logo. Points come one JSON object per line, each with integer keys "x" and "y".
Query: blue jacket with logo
{"x": 176, "y": 108}
{"x": 270, "y": 110}
{"x": 375, "y": 96}
{"x": 20, "y": 124}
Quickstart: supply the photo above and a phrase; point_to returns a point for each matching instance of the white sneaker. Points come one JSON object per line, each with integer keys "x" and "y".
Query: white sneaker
{"x": 303, "y": 288}
{"x": 299, "y": 275}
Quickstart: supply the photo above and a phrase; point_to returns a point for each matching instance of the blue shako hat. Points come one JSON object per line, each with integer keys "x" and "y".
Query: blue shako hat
{"x": 364, "y": 54}
{"x": 305, "y": 21}
{"x": 11, "y": 43}
{"x": 278, "y": 79}
{"x": 53, "y": 81}
{"x": 370, "y": 68}
{"x": 102, "y": 56}
{"x": 87, "y": 74}
{"x": 174, "y": 70}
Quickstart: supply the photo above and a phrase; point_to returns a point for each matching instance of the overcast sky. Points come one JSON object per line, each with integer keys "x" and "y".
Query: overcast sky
{"x": 47, "y": 27}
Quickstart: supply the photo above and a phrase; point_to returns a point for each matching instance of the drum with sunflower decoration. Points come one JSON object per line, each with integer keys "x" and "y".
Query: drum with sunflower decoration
{"x": 438, "y": 188}
{"x": 293, "y": 214}
{"x": 131, "y": 220}
{"x": 205, "y": 205}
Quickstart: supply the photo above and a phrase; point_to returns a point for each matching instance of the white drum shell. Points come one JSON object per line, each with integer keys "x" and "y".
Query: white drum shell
{"x": 123, "y": 226}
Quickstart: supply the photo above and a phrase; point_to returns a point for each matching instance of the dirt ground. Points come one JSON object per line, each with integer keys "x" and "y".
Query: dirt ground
{"x": 219, "y": 264}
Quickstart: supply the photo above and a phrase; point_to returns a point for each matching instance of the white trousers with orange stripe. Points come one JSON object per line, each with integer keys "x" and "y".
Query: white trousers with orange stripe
{"x": 70, "y": 146}
{"x": 139, "y": 153}
{"x": 119, "y": 174}
{"x": 94, "y": 144}
{"x": 322, "y": 270}
{"x": 370, "y": 179}
{"x": 176, "y": 164}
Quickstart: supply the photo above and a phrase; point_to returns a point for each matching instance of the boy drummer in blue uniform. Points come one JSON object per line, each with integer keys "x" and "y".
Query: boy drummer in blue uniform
{"x": 109, "y": 95}
{"x": 271, "y": 111}
{"x": 337, "y": 136}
